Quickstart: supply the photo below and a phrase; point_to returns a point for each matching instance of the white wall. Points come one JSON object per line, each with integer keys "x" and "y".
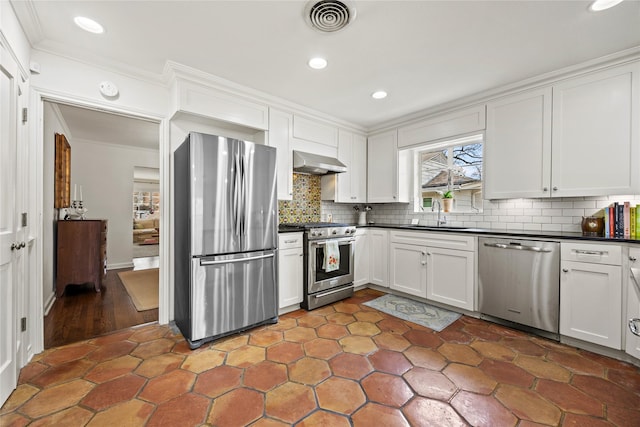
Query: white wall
{"x": 105, "y": 172}
{"x": 12, "y": 32}
{"x": 53, "y": 123}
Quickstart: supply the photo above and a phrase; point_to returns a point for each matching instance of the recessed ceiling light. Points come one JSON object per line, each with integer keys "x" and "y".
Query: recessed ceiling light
{"x": 379, "y": 94}
{"x": 599, "y": 5}
{"x": 88, "y": 24}
{"x": 317, "y": 63}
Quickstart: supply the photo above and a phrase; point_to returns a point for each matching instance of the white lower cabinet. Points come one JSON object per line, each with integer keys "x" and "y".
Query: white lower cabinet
{"x": 436, "y": 266}
{"x": 361, "y": 268}
{"x": 409, "y": 269}
{"x": 631, "y": 323}
{"x": 379, "y": 257}
{"x": 591, "y": 294}
{"x": 451, "y": 277}
{"x": 290, "y": 275}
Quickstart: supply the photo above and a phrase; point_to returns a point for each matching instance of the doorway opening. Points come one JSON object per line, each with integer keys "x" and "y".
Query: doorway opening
{"x": 106, "y": 150}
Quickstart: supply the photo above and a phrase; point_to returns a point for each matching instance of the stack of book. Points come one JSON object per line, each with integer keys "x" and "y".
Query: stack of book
{"x": 621, "y": 220}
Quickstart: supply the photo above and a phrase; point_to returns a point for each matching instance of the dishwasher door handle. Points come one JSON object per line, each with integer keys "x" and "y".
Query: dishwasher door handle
{"x": 517, "y": 247}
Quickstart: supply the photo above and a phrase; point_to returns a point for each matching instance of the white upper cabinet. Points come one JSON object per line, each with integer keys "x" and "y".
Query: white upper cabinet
{"x": 349, "y": 186}
{"x": 280, "y": 136}
{"x": 444, "y": 126}
{"x": 213, "y": 103}
{"x": 579, "y": 137}
{"x": 387, "y": 170}
{"x": 517, "y": 152}
{"x": 596, "y": 142}
{"x": 315, "y": 131}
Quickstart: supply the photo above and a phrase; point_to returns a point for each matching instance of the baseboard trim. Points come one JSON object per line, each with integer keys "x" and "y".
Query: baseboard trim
{"x": 49, "y": 303}
{"x": 119, "y": 265}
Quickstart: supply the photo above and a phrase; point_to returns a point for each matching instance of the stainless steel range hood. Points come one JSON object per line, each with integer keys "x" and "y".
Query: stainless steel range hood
{"x": 314, "y": 164}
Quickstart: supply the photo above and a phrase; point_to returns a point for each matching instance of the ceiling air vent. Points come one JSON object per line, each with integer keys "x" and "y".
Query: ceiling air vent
{"x": 329, "y": 15}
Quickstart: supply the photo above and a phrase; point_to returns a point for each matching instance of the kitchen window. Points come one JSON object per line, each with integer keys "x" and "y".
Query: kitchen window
{"x": 452, "y": 168}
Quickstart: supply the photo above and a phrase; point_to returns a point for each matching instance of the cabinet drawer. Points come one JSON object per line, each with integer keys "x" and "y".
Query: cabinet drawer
{"x": 289, "y": 241}
{"x": 591, "y": 253}
{"x": 436, "y": 240}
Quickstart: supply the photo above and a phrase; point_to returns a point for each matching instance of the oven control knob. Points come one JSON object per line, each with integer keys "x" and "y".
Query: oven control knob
{"x": 314, "y": 234}
{"x": 334, "y": 231}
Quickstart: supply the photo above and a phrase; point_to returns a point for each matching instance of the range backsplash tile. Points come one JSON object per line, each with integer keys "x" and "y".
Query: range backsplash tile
{"x": 305, "y": 203}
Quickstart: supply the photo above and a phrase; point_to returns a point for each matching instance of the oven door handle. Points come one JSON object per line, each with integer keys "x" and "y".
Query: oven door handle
{"x": 340, "y": 241}
{"x": 324, "y": 294}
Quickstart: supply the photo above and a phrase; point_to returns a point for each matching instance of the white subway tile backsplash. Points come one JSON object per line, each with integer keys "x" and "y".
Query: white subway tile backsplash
{"x": 563, "y": 214}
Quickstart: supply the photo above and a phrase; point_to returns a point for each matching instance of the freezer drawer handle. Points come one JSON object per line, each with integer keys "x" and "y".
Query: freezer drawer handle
{"x": 202, "y": 262}
{"x": 633, "y": 326}
{"x": 324, "y": 294}
{"x": 516, "y": 247}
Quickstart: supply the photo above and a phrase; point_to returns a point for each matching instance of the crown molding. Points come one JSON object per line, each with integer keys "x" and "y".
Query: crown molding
{"x": 25, "y": 10}
{"x": 176, "y": 71}
{"x": 614, "y": 59}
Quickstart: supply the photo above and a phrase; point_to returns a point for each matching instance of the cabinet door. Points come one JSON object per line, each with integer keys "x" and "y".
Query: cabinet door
{"x": 591, "y": 303}
{"x": 633, "y": 307}
{"x": 596, "y": 141}
{"x": 290, "y": 277}
{"x": 382, "y": 168}
{"x": 280, "y": 134}
{"x": 358, "y": 169}
{"x": 518, "y": 133}
{"x": 450, "y": 277}
{"x": 409, "y": 269}
{"x": 314, "y": 131}
{"x": 379, "y": 257}
{"x": 361, "y": 271}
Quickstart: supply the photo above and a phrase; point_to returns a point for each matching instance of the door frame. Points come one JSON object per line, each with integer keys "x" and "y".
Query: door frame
{"x": 36, "y": 135}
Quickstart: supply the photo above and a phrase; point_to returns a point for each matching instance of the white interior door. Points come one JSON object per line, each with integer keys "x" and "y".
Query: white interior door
{"x": 8, "y": 258}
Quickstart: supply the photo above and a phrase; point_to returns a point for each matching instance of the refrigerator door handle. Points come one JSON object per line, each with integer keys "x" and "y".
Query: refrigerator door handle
{"x": 229, "y": 261}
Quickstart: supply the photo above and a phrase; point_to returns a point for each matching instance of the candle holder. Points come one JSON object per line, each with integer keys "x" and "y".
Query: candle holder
{"x": 76, "y": 211}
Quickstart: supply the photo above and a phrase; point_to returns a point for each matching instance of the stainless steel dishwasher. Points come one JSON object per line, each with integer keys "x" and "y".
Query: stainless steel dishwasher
{"x": 519, "y": 281}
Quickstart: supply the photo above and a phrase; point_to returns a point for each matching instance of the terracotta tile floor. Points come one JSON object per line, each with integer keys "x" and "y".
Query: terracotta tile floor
{"x": 340, "y": 365}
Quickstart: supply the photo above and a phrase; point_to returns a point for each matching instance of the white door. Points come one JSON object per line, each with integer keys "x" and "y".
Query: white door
{"x": 8, "y": 258}
{"x": 632, "y": 321}
{"x": 595, "y": 135}
{"x": 409, "y": 269}
{"x": 361, "y": 268}
{"x": 591, "y": 303}
{"x": 518, "y": 133}
{"x": 450, "y": 277}
{"x": 379, "y": 257}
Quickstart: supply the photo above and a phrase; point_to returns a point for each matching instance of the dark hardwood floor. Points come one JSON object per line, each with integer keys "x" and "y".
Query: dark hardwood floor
{"x": 82, "y": 313}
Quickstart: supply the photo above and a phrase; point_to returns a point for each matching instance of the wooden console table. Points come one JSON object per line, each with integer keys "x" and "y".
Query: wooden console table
{"x": 82, "y": 253}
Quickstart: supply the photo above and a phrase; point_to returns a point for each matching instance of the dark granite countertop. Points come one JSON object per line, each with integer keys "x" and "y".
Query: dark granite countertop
{"x": 565, "y": 235}
{"x": 506, "y": 233}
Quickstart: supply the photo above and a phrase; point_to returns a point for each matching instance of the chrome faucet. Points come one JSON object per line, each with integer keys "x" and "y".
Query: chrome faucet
{"x": 439, "y": 222}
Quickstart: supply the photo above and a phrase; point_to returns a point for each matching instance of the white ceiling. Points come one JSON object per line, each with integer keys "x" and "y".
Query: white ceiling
{"x": 99, "y": 126}
{"x": 423, "y": 53}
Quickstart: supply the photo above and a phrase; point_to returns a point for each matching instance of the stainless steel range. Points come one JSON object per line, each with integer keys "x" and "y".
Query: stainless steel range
{"x": 323, "y": 284}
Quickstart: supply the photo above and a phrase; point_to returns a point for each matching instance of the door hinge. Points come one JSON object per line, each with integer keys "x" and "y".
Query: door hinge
{"x": 24, "y": 115}
{"x": 23, "y": 324}
{"x": 24, "y": 219}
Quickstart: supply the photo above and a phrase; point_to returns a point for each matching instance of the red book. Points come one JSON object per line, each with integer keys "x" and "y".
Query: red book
{"x": 612, "y": 222}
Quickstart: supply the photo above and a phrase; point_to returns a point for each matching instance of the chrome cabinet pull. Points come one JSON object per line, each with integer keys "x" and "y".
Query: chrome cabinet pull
{"x": 565, "y": 270}
{"x": 291, "y": 241}
{"x": 545, "y": 189}
{"x": 632, "y": 258}
{"x": 585, "y": 252}
{"x": 633, "y": 327}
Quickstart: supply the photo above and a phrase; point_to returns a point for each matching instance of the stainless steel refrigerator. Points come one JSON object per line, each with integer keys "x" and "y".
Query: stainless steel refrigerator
{"x": 226, "y": 236}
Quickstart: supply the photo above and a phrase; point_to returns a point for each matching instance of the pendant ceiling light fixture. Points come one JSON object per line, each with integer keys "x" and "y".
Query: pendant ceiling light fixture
{"x": 599, "y": 5}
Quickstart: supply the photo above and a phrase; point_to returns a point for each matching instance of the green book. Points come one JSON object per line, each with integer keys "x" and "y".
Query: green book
{"x": 637, "y": 223}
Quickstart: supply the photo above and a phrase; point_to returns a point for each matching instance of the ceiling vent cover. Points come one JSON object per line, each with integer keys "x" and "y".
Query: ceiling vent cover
{"x": 329, "y": 15}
